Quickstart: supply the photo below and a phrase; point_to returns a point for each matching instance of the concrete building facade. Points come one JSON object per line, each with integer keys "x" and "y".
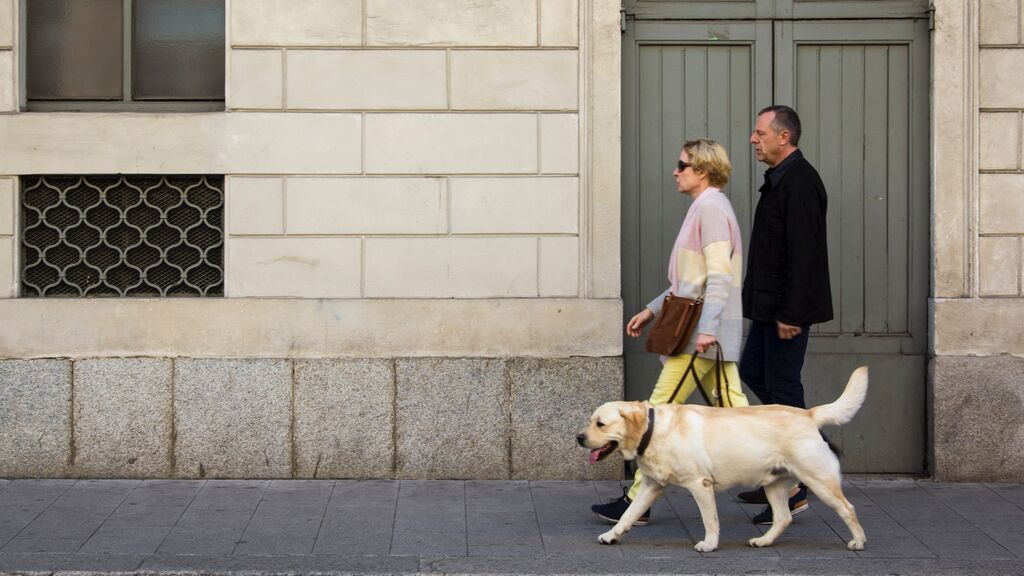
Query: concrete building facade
{"x": 421, "y": 251}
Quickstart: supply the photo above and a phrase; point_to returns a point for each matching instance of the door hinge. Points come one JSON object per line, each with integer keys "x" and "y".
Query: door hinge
{"x": 931, "y": 16}
{"x": 623, "y": 16}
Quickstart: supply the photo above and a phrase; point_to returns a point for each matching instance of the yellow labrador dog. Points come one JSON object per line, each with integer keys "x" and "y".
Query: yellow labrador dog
{"x": 705, "y": 449}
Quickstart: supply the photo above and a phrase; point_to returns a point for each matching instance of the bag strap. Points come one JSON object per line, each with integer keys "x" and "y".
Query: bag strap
{"x": 690, "y": 368}
{"x": 720, "y": 375}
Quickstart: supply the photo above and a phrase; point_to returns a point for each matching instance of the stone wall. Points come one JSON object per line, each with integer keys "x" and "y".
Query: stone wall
{"x": 421, "y": 254}
{"x": 978, "y": 395}
{"x": 424, "y": 418}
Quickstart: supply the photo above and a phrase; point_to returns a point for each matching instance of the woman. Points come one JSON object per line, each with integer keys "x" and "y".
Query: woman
{"x": 707, "y": 260}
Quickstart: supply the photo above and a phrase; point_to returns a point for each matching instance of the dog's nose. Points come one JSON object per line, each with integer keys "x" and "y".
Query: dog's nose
{"x": 580, "y": 439}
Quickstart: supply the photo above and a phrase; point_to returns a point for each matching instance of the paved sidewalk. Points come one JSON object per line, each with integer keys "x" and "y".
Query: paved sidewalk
{"x": 483, "y": 527}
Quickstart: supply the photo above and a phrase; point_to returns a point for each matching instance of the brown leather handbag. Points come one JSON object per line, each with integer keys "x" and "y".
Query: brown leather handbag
{"x": 673, "y": 327}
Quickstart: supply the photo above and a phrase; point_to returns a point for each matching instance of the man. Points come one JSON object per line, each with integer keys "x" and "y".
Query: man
{"x": 786, "y": 289}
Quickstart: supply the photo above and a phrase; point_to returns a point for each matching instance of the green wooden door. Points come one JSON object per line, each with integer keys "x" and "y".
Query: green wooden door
{"x": 861, "y": 90}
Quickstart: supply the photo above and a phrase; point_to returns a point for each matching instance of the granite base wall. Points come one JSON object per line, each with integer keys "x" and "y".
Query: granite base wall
{"x": 978, "y": 418}
{"x": 416, "y": 418}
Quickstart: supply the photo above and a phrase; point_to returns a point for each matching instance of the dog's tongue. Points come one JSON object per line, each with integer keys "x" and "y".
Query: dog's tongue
{"x": 594, "y": 455}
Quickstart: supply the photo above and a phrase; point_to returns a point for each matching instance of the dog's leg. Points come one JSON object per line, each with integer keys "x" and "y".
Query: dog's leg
{"x": 704, "y": 493}
{"x": 778, "y": 498}
{"x": 829, "y": 490}
{"x": 649, "y": 492}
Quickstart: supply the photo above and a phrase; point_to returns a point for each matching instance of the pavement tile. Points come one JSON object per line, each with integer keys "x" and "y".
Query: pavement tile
{"x": 287, "y": 519}
{"x": 48, "y": 563}
{"x": 36, "y": 544}
{"x": 1010, "y": 492}
{"x": 22, "y": 501}
{"x": 116, "y": 539}
{"x": 359, "y": 518}
{"x": 426, "y": 543}
{"x": 156, "y": 503}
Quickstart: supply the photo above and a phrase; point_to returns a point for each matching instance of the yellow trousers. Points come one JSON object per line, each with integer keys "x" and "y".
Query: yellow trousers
{"x": 673, "y": 370}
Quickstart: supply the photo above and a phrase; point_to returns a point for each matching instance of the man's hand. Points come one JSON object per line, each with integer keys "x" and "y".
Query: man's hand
{"x": 635, "y": 326}
{"x": 787, "y": 331}
{"x": 705, "y": 342}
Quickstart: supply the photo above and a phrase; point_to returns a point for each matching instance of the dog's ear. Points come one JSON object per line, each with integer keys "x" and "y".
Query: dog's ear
{"x": 635, "y": 418}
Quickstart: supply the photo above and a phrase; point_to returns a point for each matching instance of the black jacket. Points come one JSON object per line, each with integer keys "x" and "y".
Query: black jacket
{"x": 787, "y": 269}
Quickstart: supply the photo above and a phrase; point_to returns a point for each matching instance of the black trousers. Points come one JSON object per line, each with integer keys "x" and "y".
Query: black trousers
{"x": 771, "y": 367}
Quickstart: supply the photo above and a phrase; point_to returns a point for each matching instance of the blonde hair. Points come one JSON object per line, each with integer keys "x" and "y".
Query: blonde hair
{"x": 711, "y": 158}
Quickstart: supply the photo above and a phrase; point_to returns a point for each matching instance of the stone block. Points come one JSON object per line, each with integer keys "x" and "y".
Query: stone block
{"x": 1000, "y": 265}
{"x": 7, "y": 210}
{"x": 978, "y": 412}
{"x": 122, "y": 418}
{"x": 451, "y": 143}
{"x": 995, "y": 66}
{"x": 978, "y": 326}
{"x": 514, "y": 79}
{"x": 559, "y": 22}
{"x": 255, "y": 205}
{"x": 367, "y": 206}
{"x": 35, "y": 408}
{"x": 559, "y": 144}
{"x": 6, "y": 23}
{"x": 117, "y": 143}
{"x": 289, "y": 23}
{"x": 294, "y": 267}
{"x": 468, "y": 267}
{"x": 559, "y": 267}
{"x": 1000, "y": 21}
{"x": 452, "y": 418}
{"x": 451, "y": 23}
{"x": 514, "y": 205}
{"x": 999, "y": 134}
{"x": 552, "y": 400}
{"x": 8, "y": 103}
{"x": 344, "y": 418}
{"x": 1001, "y": 203}
{"x": 257, "y": 79}
{"x": 7, "y": 262}
{"x": 367, "y": 79}
{"x": 232, "y": 418}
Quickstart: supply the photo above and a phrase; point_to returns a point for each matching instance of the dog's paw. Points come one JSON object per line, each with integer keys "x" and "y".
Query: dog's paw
{"x": 704, "y": 546}
{"x": 855, "y": 545}
{"x": 761, "y": 542}
{"x": 607, "y": 538}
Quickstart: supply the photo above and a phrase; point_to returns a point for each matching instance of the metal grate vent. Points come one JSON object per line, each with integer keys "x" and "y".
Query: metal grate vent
{"x": 102, "y": 236}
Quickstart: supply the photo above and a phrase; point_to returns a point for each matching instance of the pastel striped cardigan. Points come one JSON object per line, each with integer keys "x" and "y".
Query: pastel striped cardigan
{"x": 707, "y": 259}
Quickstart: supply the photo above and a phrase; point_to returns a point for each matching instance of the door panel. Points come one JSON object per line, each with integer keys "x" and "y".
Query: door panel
{"x": 686, "y": 88}
{"x": 861, "y": 90}
{"x": 856, "y": 86}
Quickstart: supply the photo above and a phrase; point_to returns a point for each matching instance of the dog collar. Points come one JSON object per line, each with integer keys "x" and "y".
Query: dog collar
{"x": 646, "y": 438}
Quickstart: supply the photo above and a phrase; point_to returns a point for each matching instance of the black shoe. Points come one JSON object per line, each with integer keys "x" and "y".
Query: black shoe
{"x": 753, "y": 496}
{"x": 797, "y": 504}
{"x": 613, "y": 510}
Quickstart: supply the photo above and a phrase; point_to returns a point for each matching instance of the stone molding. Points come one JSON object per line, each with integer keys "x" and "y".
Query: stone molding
{"x": 954, "y": 148}
{"x": 309, "y": 328}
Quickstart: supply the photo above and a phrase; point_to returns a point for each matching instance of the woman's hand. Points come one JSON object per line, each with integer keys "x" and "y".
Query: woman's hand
{"x": 705, "y": 342}
{"x": 635, "y": 326}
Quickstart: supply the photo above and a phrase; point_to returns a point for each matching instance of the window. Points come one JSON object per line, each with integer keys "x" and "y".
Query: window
{"x": 125, "y": 55}
{"x": 95, "y": 236}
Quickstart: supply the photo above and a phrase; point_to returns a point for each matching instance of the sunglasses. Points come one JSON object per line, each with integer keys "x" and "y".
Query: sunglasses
{"x": 683, "y": 166}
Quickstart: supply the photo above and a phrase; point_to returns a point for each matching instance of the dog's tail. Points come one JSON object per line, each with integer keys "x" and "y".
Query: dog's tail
{"x": 842, "y": 410}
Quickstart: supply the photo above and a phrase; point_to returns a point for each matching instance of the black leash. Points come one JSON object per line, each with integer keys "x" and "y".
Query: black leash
{"x": 720, "y": 375}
